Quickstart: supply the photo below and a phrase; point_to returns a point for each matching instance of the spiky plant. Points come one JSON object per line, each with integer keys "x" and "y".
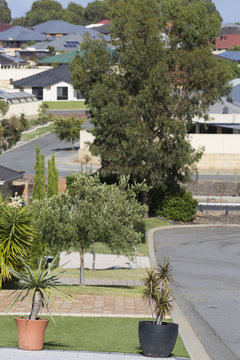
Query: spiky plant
{"x": 42, "y": 286}
{"x": 157, "y": 290}
{"x": 1, "y": 265}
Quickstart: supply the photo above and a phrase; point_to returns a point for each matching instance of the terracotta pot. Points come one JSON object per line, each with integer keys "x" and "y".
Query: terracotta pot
{"x": 31, "y": 333}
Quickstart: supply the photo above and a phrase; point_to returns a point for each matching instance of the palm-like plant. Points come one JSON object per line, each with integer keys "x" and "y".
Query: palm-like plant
{"x": 16, "y": 232}
{"x": 41, "y": 284}
{"x": 157, "y": 290}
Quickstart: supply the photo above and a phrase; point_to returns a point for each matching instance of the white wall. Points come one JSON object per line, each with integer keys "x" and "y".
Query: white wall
{"x": 50, "y": 93}
{"x": 217, "y": 143}
{"x": 220, "y": 118}
{"x": 28, "y": 109}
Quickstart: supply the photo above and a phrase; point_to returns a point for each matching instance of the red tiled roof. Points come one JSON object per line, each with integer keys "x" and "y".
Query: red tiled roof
{"x": 227, "y": 41}
{"x": 4, "y": 27}
{"x": 104, "y": 22}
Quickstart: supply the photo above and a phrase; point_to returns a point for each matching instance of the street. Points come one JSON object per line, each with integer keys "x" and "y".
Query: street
{"x": 206, "y": 263}
{"x": 23, "y": 158}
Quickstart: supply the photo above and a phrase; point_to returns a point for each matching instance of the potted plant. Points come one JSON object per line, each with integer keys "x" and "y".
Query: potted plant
{"x": 157, "y": 338}
{"x": 42, "y": 286}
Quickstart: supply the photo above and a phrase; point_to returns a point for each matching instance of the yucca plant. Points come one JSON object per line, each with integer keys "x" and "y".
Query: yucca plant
{"x": 16, "y": 233}
{"x": 42, "y": 284}
{"x": 157, "y": 290}
{"x": 1, "y": 265}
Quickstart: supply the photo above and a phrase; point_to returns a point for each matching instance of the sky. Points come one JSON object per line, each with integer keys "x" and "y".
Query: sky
{"x": 229, "y": 9}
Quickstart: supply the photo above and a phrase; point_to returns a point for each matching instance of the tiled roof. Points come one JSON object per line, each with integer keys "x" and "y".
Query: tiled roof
{"x": 59, "y": 59}
{"x": 19, "y": 33}
{"x": 7, "y": 174}
{"x": 227, "y": 41}
{"x": 4, "y": 27}
{"x": 53, "y": 27}
{"x": 46, "y": 78}
{"x": 230, "y": 55}
{"x": 11, "y": 60}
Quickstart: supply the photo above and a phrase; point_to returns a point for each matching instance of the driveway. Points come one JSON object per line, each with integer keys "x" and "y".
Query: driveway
{"x": 206, "y": 264}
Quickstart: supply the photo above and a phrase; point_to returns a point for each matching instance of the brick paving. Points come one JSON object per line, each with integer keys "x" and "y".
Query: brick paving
{"x": 84, "y": 305}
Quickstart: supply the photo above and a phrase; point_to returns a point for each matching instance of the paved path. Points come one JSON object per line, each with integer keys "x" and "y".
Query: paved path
{"x": 207, "y": 288}
{"x": 15, "y": 354}
{"x": 103, "y": 261}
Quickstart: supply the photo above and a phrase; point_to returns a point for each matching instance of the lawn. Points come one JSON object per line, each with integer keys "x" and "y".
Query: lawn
{"x": 65, "y": 105}
{"x": 153, "y": 222}
{"x": 101, "y": 248}
{"x": 87, "y": 334}
{"x": 113, "y": 274}
{"x": 122, "y": 291}
{"x": 39, "y": 131}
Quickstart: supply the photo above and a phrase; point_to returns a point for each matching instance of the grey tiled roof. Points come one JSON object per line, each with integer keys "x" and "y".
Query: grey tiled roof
{"x": 230, "y": 55}
{"x": 7, "y": 174}
{"x": 10, "y": 60}
{"x": 61, "y": 43}
{"x": 46, "y": 78}
{"x": 19, "y": 33}
{"x": 62, "y": 27}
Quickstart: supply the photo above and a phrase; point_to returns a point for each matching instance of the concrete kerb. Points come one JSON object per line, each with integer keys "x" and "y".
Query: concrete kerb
{"x": 193, "y": 345}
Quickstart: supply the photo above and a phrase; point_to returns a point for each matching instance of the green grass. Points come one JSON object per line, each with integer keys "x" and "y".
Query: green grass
{"x": 153, "y": 222}
{"x": 101, "y": 248}
{"x": 65, "y": 105}
{"x": 128, "y": 291}
{"x": 115, "y": 274}
{"x": 37, "y": 132}
{"x": 87, "y": 334}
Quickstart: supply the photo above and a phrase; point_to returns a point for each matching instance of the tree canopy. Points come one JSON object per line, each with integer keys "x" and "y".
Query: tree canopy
{"x": 143, "y": 106}
{"x": 5, "y": 12}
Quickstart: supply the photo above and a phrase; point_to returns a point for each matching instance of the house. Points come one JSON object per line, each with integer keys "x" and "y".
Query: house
{"x": 228, "y": 37}
{"x": 7, "y": 176}
{"x": 11, "y": 62}
{"x": 20, "y": 103}
{"x": 17, "y": 36}
{"x": 50, "y": 85}
{"x": 58, "y": 28}
{"x": 102, "y": 26}
{"x": 64, "y": 43}
{"x": 4, "y": 27}
{"x": 220, "y": 135}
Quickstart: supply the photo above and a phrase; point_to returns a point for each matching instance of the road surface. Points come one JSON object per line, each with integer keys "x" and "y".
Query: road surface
{"x": 206, "y": 261}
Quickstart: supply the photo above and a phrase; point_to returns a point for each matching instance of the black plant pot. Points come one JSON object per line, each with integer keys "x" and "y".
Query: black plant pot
{"x": 157, "y": 340}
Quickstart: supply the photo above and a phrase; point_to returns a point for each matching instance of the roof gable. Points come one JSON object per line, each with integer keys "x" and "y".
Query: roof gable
{"x": 7, "y": 174}
{"x": 19, "y": 33}
{"x": 46, "y": 78}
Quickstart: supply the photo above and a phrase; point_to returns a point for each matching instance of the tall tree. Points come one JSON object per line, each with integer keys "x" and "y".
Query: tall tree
{"x": 52, "y": 187}
{"x": 95, "y": 11}
{"x": 44, "y": 10}
{"x": 5, "y": 12}
{"x": 142, "y": 107}
{"x": 39, "y": 182}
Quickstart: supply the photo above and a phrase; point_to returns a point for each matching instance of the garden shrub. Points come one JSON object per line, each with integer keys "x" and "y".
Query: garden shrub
{"x": 181, "y": 207}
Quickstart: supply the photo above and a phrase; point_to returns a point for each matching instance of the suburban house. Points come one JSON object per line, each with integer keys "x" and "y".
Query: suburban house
{"x": 220, "y": 135}
{"x": 11, "y": 62}
{"x": 19, "y": 103}
{"x": 64, "y": 43}
{"x": 228, "y": 37}
{"x": 57, "y": 28}
{"x": 17, "y": 36}
{"x": 4, "y": 27}
{"x": 102, "y": 26}
{"x": 65, "y": 58}
{"x": 50, "y": 85}
{"x": 7, "y": 176}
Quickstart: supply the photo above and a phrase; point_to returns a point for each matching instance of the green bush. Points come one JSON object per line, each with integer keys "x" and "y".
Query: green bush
{"x": 180, "y": 207}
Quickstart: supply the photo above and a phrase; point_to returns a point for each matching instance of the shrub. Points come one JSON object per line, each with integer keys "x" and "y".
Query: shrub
{"x": 179, "y": 207}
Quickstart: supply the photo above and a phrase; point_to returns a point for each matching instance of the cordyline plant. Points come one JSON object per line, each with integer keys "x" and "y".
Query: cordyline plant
{"x": 42, "y": 284}
{"x": 157, "y": 290}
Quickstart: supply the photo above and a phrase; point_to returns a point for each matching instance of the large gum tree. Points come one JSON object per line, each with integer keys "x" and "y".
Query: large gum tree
{"x": 142, "y": 106}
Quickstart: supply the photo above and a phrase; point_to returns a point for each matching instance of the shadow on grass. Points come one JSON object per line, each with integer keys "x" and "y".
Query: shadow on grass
{"x": 56, "y": 345}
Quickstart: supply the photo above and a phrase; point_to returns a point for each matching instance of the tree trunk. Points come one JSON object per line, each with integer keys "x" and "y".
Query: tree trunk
{"x": 145, "y": 201}
{"x": 81, "y": 280}
{"x": 94, "y": 256}
{"x": 36, "y": 305}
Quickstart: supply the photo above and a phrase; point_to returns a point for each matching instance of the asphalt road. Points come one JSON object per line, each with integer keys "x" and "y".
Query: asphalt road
{"x": 206, "y": 264}
{"x": 23, "y": 157}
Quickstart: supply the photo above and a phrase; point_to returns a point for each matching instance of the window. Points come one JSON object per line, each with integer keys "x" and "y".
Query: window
{"x": 62, "y": 93}
{"x": 38, "y": 92}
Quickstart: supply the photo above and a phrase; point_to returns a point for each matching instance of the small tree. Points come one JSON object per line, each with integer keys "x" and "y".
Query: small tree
{"x": 52, "y": 187}
{"x": 39, "y": 183}
{"x": 68, "y": 129}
